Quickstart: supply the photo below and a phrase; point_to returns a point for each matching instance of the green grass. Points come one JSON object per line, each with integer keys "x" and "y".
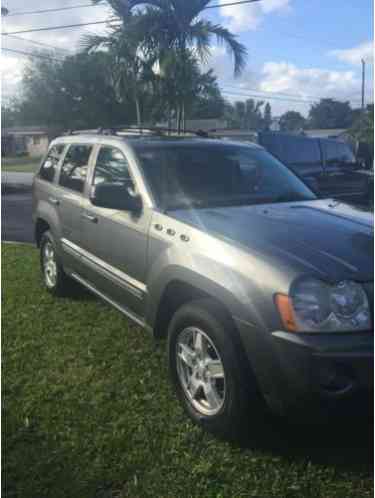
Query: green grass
{"x": 20, "y": 164}
{"x": 88, "y": 412}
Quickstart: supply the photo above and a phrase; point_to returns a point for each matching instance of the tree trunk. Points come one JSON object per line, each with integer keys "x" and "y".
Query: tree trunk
{"x": 138, "y": 110}
{"x": 183, "y": 117}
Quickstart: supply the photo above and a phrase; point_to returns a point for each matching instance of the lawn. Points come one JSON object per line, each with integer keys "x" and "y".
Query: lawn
{"x": 88, "y": 412}
{"x": 22, "y": 164}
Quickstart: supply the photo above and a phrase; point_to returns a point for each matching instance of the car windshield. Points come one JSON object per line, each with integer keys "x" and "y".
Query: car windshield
{"x": 213, "y": 175}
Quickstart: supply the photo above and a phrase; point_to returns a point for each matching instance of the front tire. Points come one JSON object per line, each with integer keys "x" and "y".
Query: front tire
{"x": 207, "y": 368}
{"x": 55, "y": 279}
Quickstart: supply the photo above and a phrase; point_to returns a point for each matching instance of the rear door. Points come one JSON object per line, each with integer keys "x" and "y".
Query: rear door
{"x": 69, "y": 198}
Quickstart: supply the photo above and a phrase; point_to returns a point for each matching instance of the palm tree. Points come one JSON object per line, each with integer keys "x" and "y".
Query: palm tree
{"x": 173, "y": 32}
{"x": 130, "y": 69}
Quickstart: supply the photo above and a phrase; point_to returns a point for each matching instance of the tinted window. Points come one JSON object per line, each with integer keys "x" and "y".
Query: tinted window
{"x": 301, "y": 150}
{"x": 337, "y": 152}
{"x": 74, "y": 169}
{"x": 111, "y": 167}
{"x": 47, "y": 171}
{"x": 218, "y": 175}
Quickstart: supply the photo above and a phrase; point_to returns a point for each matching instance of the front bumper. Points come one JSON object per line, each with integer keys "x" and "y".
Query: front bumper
{"x": 312, "y": 372}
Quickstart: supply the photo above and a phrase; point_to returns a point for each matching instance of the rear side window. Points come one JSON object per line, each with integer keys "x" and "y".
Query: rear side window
{"x": 74, "y": 169}
{"x": 48, "y": 169}
{"x": 338, "y": 152}
{"x": 301, "y": 150}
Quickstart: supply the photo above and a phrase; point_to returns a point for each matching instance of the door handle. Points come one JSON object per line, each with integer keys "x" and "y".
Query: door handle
{"x": 53, "y": 201}
{"x": 90, "y": 217}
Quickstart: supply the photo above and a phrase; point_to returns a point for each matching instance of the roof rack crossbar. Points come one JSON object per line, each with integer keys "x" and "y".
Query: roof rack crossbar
{"x": 116, "y": 130}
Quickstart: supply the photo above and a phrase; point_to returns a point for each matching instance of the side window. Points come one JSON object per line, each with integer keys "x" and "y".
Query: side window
{"x": 47, "y": 171}
{"x": 112, "y": 167}
{"x": 74, "y": 169}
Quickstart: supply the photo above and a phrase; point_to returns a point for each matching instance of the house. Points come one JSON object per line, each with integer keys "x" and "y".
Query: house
{"x": 26, "y": 140}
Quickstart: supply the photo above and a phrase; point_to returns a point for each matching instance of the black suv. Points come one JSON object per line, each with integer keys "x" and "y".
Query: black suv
{"x": 328, "y": 165}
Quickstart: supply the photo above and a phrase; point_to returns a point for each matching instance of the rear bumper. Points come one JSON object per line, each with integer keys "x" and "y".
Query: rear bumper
{"x": 312, "y": 372}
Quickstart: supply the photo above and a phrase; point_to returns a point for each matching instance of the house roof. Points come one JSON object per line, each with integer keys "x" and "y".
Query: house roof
{"x": 26, "y": 130}
{"x": 323, "y": 133}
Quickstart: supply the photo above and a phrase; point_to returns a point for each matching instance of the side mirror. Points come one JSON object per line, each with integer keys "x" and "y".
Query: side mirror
{"x": 116, "y": 196}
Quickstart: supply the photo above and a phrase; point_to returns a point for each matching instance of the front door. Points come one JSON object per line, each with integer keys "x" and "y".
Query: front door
{"x": 115, "y": 242}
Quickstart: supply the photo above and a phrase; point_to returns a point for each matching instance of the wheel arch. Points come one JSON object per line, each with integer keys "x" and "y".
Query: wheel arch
{"x": 178, "y": 286}
{"x": 41, "y": 226}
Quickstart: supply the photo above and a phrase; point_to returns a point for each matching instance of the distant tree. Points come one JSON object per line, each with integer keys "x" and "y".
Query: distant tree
{"x": 292, "y": 121}
{"x": 330, "y": 113}
{"x": 363, "y": 129}
{"x": 253, "y": 114}
{"x": 9, "y": 115}
{"x": 245, "y": 115}
{"x": 75, "y": 92}
{"x": 207, "y": 101}
{"x": 267, "y": 116}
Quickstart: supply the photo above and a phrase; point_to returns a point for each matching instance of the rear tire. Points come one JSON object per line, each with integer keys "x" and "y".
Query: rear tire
{"x": 210, "y": 385}
{"x": 55, "y": 279}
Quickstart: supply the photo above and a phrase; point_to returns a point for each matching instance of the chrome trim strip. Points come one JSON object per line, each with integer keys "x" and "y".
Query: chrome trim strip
{"x": 93, "y": 289}
{"x": 129, "y": 282}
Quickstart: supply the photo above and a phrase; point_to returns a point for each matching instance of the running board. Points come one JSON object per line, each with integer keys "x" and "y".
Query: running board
{"x": 120, "y": 308}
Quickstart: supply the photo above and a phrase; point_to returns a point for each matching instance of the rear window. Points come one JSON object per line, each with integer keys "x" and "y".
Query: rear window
{"x": 49, "y": 166}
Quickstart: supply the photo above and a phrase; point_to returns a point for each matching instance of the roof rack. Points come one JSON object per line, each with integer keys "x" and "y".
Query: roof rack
{"x": 136, "y": 131}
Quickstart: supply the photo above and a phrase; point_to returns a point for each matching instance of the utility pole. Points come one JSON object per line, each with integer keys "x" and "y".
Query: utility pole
{"x": 363, "y": 83}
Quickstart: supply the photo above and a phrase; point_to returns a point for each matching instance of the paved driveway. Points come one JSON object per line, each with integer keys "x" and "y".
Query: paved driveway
{"x": 16, "y": 221}
{"x": 13, "y": 178}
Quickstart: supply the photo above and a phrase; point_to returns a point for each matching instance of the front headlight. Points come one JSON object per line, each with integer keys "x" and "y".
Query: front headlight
{"x": 314, "y": 306}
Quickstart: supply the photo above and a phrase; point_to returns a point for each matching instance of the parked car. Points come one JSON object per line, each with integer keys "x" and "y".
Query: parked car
{"x": 263, "y": 292}
{"x": 328, "y": 165}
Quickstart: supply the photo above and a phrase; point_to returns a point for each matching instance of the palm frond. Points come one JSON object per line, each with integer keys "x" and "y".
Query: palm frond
{"x": 89, "y": 43}
{"x": 236, "y": 49}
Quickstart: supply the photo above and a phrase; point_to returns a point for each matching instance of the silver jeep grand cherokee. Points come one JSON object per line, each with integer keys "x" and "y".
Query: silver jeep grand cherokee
{"x": 263, "y": 291}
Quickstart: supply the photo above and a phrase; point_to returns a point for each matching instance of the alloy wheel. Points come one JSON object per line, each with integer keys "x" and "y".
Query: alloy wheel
{"x": 200, "y": 371}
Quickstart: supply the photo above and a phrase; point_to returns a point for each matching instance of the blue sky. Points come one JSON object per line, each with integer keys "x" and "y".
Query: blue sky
{"x": 306, "y": 49}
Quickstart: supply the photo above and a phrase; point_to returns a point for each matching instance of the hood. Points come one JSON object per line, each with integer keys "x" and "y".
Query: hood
{"x": 330, "y": 239}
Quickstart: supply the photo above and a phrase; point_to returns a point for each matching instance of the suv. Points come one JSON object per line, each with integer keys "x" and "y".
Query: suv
{"x": 263, "y": 291}
{"x": 328, "y": 165}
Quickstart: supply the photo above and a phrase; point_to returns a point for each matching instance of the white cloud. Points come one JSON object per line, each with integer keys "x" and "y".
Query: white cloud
{"x": 287, "y": 85}
{"x": 248, "y": 17}
{"x": 66, "y": 41}
{"x": 283, "y": 76}
{"x": 354, "y": 55}
{"x": 11, "y": 74}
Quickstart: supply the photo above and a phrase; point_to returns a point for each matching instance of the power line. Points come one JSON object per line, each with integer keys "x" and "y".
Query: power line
{"x": 216, "y": 6}
{"x": 84, "y": 5}
{"x": 39, "y": 43}
{"x": 306, "y": 98}
{"x": 51, "y": 28}
{"x": 57, "y": 9}
{"x": 249, "y": 95}
{"x": 274, "y": 97}
{"x": 79, "y": 25}
{"x": 29, "y": 54}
